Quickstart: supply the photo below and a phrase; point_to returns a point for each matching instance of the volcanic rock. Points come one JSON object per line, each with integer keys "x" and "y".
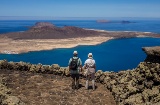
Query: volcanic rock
{"x": 153, "y": 54}
{"x": 45, "y": 30}
{"x": 155, "y": 51}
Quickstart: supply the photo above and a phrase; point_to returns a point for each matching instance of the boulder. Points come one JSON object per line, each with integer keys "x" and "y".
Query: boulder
{"x": 66, "y": 71}
{"x": 136, "y": 99}
{"x": 3, "y": 64}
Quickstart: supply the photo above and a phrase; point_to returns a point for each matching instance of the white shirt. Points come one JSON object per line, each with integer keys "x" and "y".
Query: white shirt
{"x": 90, "y": 62}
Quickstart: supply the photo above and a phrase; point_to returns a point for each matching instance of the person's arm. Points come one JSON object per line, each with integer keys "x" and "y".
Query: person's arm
{"x": 80, "y": 64}
{"x": 85, "y": 65}
{"x": 94, "y": 65}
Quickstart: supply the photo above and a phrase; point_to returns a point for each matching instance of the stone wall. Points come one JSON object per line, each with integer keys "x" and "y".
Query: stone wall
{"x": 38, "y": 68}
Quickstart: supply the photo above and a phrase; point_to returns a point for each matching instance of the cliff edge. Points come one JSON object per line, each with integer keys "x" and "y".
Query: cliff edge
{"x": 140, "y": 86}
{"x": 153, "y": 54}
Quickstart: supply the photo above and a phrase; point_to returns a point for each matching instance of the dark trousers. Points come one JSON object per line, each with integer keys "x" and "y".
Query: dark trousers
{"x": 75, "y": 81}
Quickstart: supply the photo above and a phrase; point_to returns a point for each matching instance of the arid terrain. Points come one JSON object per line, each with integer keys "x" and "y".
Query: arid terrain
{"x": 48, "y": 89}
{"x": 8, "y": 45}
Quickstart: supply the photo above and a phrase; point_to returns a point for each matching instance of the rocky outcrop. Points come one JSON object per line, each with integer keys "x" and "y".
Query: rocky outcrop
{"x": 134, "y": 87}
{"x": 153, "y": 54}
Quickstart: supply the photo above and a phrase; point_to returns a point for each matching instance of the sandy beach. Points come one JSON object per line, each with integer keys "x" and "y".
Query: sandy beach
{"x": 10, "y": 46}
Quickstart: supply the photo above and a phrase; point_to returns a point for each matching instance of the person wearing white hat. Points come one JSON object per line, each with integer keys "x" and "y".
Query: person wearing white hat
{"x": 90, "y": 67}
{"x": 75, "y": 65}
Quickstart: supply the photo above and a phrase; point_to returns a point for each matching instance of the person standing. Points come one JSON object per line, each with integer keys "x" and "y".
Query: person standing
{"x": 75, "y": 65}
{"x": 90, "y": 66}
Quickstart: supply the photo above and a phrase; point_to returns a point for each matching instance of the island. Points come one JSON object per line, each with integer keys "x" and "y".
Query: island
{"x": 110, "y": 21}
{"x": 46, "y": 36}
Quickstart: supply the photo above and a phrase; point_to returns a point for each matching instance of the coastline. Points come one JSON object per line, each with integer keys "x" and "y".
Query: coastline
{"x": 10, "y": 46}
{"x": 46, "y": 36}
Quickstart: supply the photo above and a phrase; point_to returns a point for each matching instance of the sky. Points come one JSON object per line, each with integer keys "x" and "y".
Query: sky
{"x": 79, "y": 8}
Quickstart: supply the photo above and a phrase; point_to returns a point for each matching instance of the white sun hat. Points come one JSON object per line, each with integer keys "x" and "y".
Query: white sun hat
{"x": 90, "y": 55}
{"x": 75, "y": 52}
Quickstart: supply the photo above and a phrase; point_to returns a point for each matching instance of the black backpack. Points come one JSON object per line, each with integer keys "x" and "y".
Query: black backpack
{"x": 74, "y": 64}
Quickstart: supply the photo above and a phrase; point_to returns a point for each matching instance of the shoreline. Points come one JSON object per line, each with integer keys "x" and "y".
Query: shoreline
{"x": 99, "y": 30}
{"x": 10, "y": 46}
{"x": 26, "y": 46}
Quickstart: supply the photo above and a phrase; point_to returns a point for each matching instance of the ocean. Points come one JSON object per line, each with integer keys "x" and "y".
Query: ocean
{"x": 113, "y": 55}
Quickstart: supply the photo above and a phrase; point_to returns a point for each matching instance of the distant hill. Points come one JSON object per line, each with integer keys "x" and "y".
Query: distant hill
{"x": 46, "y": 30}
{"x": 109, "y": 21}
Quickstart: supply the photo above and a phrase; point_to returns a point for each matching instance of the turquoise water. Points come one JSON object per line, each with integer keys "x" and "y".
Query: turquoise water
{"x": 114, "y": 55}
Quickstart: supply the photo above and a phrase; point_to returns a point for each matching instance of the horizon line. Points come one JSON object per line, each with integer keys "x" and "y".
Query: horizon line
{"x": 65, "y": 18}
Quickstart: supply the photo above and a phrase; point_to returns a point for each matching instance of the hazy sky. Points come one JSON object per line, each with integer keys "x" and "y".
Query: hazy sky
{"x": 81, "y": 8}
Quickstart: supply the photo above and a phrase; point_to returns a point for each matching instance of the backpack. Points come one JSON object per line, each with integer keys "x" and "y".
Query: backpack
{"x": 74, "y": 64}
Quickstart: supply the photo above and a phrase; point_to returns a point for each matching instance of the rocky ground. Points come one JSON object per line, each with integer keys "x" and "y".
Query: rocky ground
{"x": 48, "y": 89}
{"x": 140, "y": 86}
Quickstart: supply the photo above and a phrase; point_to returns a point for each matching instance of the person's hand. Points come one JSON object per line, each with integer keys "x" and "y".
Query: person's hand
{"x": 69, "y": 68}
{"x": 80, "y": 69}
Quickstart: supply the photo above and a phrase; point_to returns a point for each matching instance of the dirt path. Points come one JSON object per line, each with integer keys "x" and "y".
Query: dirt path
{"x": 48, "y": 89}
